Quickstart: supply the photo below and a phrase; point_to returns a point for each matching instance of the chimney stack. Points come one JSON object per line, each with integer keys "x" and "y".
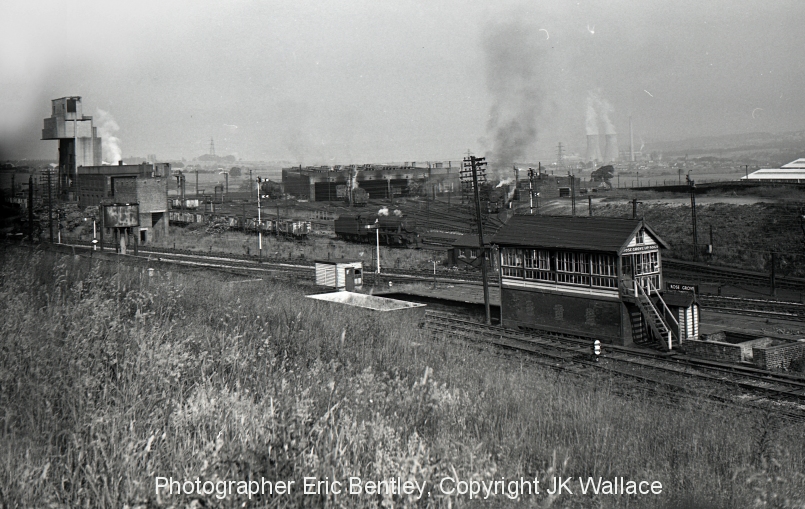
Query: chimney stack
{"x": 631, "y": 140}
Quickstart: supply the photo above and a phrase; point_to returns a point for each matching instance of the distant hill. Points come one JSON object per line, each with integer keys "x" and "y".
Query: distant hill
{"x": 777, "y": 147}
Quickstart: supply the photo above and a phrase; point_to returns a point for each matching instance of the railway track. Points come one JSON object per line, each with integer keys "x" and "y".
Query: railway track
{"x": 682, "y": 377}
{"x": 671, "y": 374}
{"x": 754, "y": 307}
{"x": 305, "y": 269}
{"x": 726, "y": 275}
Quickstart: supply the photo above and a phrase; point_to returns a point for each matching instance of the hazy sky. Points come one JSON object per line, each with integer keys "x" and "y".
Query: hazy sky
{"x": 343, "y": 82}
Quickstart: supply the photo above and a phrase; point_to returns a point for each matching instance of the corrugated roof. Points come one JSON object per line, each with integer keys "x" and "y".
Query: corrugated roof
{"x": 601, "y": 234}
{"x": 784, "y": 173}
{"x": 797, "y": 163}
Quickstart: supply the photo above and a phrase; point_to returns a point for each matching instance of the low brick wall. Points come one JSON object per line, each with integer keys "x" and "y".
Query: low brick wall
{"x": 748, "y": 347}
{"x": 715, "y": 350}
{"x": 778, "y": 357}
{"x": 715, "y": 336}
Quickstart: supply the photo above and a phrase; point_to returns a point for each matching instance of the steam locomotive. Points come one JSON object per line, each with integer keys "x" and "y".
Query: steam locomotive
{"x": 392, "y": 230}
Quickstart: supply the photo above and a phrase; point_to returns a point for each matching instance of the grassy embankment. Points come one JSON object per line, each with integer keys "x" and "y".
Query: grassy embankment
{"x": 109, "y": 378}
{"x": 314, "y": 248}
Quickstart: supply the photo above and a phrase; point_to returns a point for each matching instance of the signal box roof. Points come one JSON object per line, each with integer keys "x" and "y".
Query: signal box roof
{"x": 595, "y": 234}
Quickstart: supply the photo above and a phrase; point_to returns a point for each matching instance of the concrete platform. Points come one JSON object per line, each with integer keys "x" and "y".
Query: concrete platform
{"x": 373, "y": 302}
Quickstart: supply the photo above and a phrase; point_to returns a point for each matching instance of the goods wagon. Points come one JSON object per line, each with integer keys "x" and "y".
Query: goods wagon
{"x": 285, "y": 227}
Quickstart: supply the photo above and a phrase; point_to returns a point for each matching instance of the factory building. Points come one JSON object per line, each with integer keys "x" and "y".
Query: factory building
{"x": 145, "y": 184}
{"x": 791, "y": 173}
{"x": 79, "y": 144}
{"x": 598, "y": 276}
{"x": 379, "y": 181}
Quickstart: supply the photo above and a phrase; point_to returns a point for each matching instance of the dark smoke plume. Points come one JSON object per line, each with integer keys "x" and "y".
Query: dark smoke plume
{"x": 513, "y": 53}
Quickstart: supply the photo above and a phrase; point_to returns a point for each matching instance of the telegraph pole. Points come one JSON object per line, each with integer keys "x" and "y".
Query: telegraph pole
{"x": 572, "y": 193}
{"x": 31, "y": 206}
{"x": 475, "y": 163}
{"x": 539, "y": 176}
{"x": 260, "y": 221}
{"x": 50, "y": 209}
{"x": 692, "y": 186}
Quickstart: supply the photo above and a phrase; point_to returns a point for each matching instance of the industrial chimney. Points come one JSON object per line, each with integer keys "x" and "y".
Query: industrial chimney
{"x": 631, "y": 140}
{"x": 593, "y": 150}
{"x": 611, "y": 148}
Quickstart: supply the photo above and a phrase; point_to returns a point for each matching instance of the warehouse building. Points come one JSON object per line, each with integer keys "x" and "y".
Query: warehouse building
{"x": 597, "y": 276}
{"x": 320, "y": 183}
{"x": 791, "y": 173}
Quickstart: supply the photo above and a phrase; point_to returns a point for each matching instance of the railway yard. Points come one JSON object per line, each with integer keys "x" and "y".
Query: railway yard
{"x": 699, "y": 339}
{"x": 400, "y": 255}
{"x": 456, "y": 300}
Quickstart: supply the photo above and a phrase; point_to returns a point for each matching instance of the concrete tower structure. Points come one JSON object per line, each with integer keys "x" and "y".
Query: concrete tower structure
{"x": 593, "y": 149}
{"x": 79, "y": 144}
{"x": 610, "y": 148}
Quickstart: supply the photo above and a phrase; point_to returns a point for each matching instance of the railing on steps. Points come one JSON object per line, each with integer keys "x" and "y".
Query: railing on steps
{"x": 655, "y": 319}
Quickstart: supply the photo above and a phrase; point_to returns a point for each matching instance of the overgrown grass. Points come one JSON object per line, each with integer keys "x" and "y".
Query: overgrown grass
{"x": 314, "y": 248}
{"x": 109, "y": 378}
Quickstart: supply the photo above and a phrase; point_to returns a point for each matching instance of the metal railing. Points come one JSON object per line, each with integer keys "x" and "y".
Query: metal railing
{"x": 640, "y": 291}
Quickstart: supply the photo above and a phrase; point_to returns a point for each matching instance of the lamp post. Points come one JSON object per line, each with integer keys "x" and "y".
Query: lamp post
{"x": 376, "y": 228}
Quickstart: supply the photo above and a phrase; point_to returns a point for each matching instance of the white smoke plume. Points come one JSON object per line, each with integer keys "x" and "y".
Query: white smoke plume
{"x": 354, "y": 172}
{"x": 383, "y": 212}
{"x": 107, "y": 127}
{"x": 504, "y": 182}
{"x": 398, "y": 212}
{"x": 598, "y": 108}
{"x": 591, "y": 124}
{"x": 514, "y": 52}
{"x": 605, "y": 109}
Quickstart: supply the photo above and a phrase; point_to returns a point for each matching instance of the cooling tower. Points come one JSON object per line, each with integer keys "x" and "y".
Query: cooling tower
{"x": 611, "y": 148}
{"x": 593, "y": 150}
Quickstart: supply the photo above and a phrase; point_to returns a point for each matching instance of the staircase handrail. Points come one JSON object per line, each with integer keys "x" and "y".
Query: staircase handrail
{"x": 639, "y": 288}
{"x": 664, "y": 305}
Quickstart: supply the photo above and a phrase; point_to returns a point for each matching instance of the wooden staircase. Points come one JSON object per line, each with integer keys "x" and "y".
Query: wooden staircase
{"x": 653, "y": 316}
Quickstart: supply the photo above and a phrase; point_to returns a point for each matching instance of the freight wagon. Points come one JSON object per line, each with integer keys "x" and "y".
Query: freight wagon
{"x": 285, "y": 227}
